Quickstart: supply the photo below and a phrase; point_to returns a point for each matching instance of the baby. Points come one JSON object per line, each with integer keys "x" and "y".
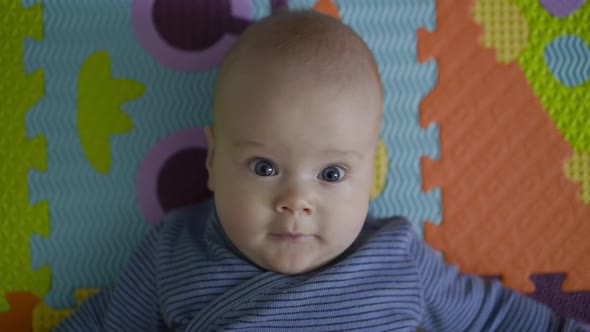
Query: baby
{"x": 286, "y": 243}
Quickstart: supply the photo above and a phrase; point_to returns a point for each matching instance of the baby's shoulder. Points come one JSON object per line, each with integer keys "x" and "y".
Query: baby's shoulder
{"x": 191, "y": 212}
{"x": 185, "y": 223}
{"x": 396, "y": 226}
{"x": 392, "y": 233}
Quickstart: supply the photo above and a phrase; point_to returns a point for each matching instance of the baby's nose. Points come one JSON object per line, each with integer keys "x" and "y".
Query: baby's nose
{"x": 297, "y": 208}
{"x": 294, "y": 202}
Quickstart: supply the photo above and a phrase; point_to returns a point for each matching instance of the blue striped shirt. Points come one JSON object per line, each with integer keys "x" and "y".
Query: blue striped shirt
{"x": 185, "y": 275}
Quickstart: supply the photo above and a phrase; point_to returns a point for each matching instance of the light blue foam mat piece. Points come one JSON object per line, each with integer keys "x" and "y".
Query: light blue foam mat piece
{"x": 389, "y": 27}
{"x": 301, "y": 4}
{"x": 94, "y": 218}
{"x": 568, "y": 59}
{"x": 260, "y": 9}
{"x": 390, "y": 30}
{"x": 95, "y": 221}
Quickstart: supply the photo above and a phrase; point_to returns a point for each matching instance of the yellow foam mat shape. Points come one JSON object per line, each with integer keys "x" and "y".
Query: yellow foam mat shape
{"x": 18, "y": 154}
{"x": 380, "y": 172}
{"x": 577, "y": 169}
{"x": 45, "y": 318}
{"x": 505, "y": 28}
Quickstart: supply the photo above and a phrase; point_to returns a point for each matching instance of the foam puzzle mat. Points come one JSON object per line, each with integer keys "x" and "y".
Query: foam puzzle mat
{"x": 485, "y": 144}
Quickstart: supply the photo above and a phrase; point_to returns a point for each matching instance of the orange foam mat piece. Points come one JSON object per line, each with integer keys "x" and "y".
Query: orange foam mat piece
{"x": 507, "y": 207}
{"x": 20, "y": 316}
{"x": 327, "y": 7}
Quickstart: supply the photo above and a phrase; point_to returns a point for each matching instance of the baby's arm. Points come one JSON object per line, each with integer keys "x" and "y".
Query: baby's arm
{"x": 132, "y": 304}
{"x": 456, "y": 302}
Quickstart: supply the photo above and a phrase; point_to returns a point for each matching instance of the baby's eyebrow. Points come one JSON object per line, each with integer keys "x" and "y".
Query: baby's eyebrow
{"x": 350, "y": 153}
{"x": 248, "y": 143}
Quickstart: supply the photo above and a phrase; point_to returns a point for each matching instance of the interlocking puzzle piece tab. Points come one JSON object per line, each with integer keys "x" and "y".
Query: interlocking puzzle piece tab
{"x": 575, "y": 305}
{"x": 45, "y": 318}
{"x": 20, "y": 316}
{"x": 20, "y": 90}
{"x": 508, "y": 208}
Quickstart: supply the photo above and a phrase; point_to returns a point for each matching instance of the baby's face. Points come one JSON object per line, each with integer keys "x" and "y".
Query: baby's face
{"x": 292, "y": 167}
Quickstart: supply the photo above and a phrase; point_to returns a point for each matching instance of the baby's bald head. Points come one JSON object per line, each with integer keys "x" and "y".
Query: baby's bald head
{"x": 297, "y": 112}
{"x": 296, "y": 48}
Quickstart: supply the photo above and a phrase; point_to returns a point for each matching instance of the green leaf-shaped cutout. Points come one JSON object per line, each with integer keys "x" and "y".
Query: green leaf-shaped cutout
{"x": 99, "y": 113}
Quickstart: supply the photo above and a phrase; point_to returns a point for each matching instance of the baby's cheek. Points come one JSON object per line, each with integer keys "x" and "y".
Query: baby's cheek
{"x": 341, "y": 226}
{"x": 247, "y": 202}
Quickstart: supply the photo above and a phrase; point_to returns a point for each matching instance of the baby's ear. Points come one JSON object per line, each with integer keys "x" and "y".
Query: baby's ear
{"x": 210, "y": 153}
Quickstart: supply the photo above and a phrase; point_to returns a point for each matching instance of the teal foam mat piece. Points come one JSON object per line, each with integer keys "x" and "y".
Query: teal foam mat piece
{"x": 95, "y": 221}
{"x": 390, "y": 30}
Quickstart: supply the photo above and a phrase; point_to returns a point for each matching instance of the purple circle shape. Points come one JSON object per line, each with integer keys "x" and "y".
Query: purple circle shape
{"x": 197, "y": 24}
{"x": 156, "y": 158}
{"x": 183, "y": 179}
{"x": 561, "y": 8}
{"x": 147, "y": 33}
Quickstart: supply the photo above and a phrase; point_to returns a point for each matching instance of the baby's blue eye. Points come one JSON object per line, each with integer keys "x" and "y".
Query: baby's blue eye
{"x": 332, "y": 174}
{"x": 262, "y": 167}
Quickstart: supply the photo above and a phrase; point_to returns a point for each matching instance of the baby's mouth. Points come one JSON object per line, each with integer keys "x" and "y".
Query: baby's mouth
{"x": 287, "y": 236}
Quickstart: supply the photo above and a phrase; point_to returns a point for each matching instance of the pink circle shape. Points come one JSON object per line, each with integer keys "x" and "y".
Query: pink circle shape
{"x": 148, "y": 36}
{"x": 147, "y": 175}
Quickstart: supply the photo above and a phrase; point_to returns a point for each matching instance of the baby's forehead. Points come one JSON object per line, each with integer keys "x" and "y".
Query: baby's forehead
{"x": 298, "y": 45}
{"x": 291, "y": 93}
{"x": 304, "y": 59}
{"x": 316, "y": 113}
